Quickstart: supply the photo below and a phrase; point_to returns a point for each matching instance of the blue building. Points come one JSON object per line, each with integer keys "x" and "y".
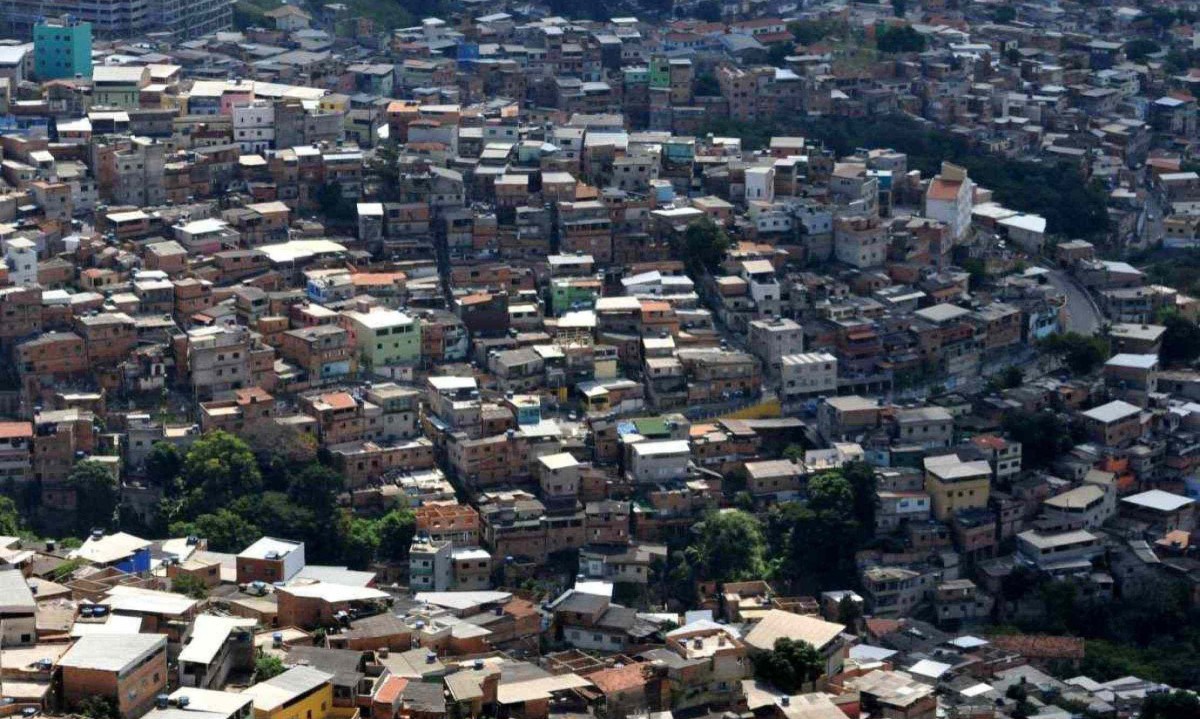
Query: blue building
{"x": 62, "y": 49}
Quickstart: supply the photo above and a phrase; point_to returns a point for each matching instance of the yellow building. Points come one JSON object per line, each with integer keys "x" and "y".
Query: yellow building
{"x": 299, "y": 693}
{"x": 954, "y": 485}
{"x": 334, "y": 103}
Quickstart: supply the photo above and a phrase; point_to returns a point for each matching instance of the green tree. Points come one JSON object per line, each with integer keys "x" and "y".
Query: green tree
{"x": 360, "y": 542}
{"x": 97, "y": 707}
{"x": 1138, "y": 48}
{"x": 849, "y": 611}
{"x": 333, "y": 203}
{"x": 778, "y": 52}
{"x": 861, "y": 477}
{"x": 790, "y": 665}
{"x": 977, "y": 275}
{"x": 316, "y": 487}
{"x": 808, "y": 32}
{"x": 163, "y": 463}
{"x": 219, "y": 468}
{"x": 705, "y": 244}
{"x": 897, "y": 40}
{"x": 1181, "y": 340}
{"x": 1171, "y": 705}
{"x": 830, "y": 492}
{"x": 10, "y": 518}
{"x": 189, "y": 585}
{"x": 268, "y": 666}
{"x": 1080, "y": 353}
{"x": 396, "y": 530}
{"x": 708, "y": 11}
{"x": 793, "y": 452}
{"x": 1044, "y": 436}
{"x": 812, "y": 546}
{"x": 97, "y": 495}
{"x": 226, "y": 531}
{"x": 707, "y": 85}
{"x": 727, "y": 546}
{"x": 1004, "y": 14}
{"x": 277, "y": 515}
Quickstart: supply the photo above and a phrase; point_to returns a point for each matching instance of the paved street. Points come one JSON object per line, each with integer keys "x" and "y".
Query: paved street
{"x": 1082, "y": 315}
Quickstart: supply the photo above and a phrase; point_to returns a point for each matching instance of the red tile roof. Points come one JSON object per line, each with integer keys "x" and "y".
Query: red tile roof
{"x": 1040, "y": 646}
{"x": 619, "y": 679}
{"x": 12, "y": 430}
{"x": 392, "y": 687}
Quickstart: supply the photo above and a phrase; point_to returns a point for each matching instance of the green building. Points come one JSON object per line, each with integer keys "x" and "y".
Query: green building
{"x": 573, "y": 293}
{"x": 62, "y": 50}
{"x": 660, "y": 71}
{"x": 385, "y": 338}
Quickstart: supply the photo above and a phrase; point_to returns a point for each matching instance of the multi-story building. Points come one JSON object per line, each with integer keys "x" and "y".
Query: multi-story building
{"x": 325, "y": 353}
{"x": 430, "y": 565}
{"x": 129, "y": 669}
{"x": 62, "y": 49}
{"x": 384, "y": 338}
{"x": 954, "y": 485}
{"x": 1060, "y": 553}
{"x": 1116, "y": 424}
{"x": 949, "y": 199}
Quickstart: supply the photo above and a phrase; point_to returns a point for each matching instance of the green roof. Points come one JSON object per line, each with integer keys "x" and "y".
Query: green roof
{"x": 651, "y": 427}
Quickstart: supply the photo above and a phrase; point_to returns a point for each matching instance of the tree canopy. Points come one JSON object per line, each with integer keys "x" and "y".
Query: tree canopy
{"x": 897, "y": 40}
{"x": 728, "y": 546}
{"x": 218, "y": 469}
{"x": 1044, "y": 436}
{"x": 705, "y": 244}
{"x": 790, "y": 666}
{"x": 1080, "y": 353}
{"x": 97, "y": 495}
{"x": 1181, "y": 340}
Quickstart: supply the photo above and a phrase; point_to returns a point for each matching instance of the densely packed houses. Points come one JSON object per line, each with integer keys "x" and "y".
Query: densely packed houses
{"x": 526, "y": 305}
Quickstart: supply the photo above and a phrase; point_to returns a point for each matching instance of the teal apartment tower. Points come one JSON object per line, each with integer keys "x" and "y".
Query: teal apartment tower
{"x": 62, "y": 49}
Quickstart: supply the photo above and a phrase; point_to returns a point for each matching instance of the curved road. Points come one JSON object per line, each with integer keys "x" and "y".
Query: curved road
{"x": 1083, "y": 316}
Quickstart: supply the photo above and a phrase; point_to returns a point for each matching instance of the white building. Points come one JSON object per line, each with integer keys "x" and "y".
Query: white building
{"x": 18, "y": 609}
{"x": 949, "y": 199}
{"x": 20, "y": 255}
{"x": 1059, "y": 553}
{"x": 254, "y": 126}
{"x": 771, "y": 339}
{"x": 430, "y": 565}
{"x": 659, "y": 461}
{"x": 807, "y": 375}
{"x": 760, "y": 183}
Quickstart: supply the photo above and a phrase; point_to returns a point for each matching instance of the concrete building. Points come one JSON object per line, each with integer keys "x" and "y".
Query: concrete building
{"x": 949, "y": 199}
{"x": 270, "y": 560}
{"x": 659, "y": 461}
{"x": 1116, "y": 424}
{"x": 20, "y": 256}
{"x": 129, "y": 669}
{"x": 62, "y": 50}
{"x": 807, "y": 376}
{"x": 1087, "y": 506}
{"x": 17, "y": 610}
{"x": 1059, "y": 553}
{"x": 1161, "y": 510}
{"x": 954, "y": 485}
{"x": 384, "y": 338}
{"x": 430, "y": 565}
{"x": 928, "y": 427}
{"x": 771, "y": 339}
